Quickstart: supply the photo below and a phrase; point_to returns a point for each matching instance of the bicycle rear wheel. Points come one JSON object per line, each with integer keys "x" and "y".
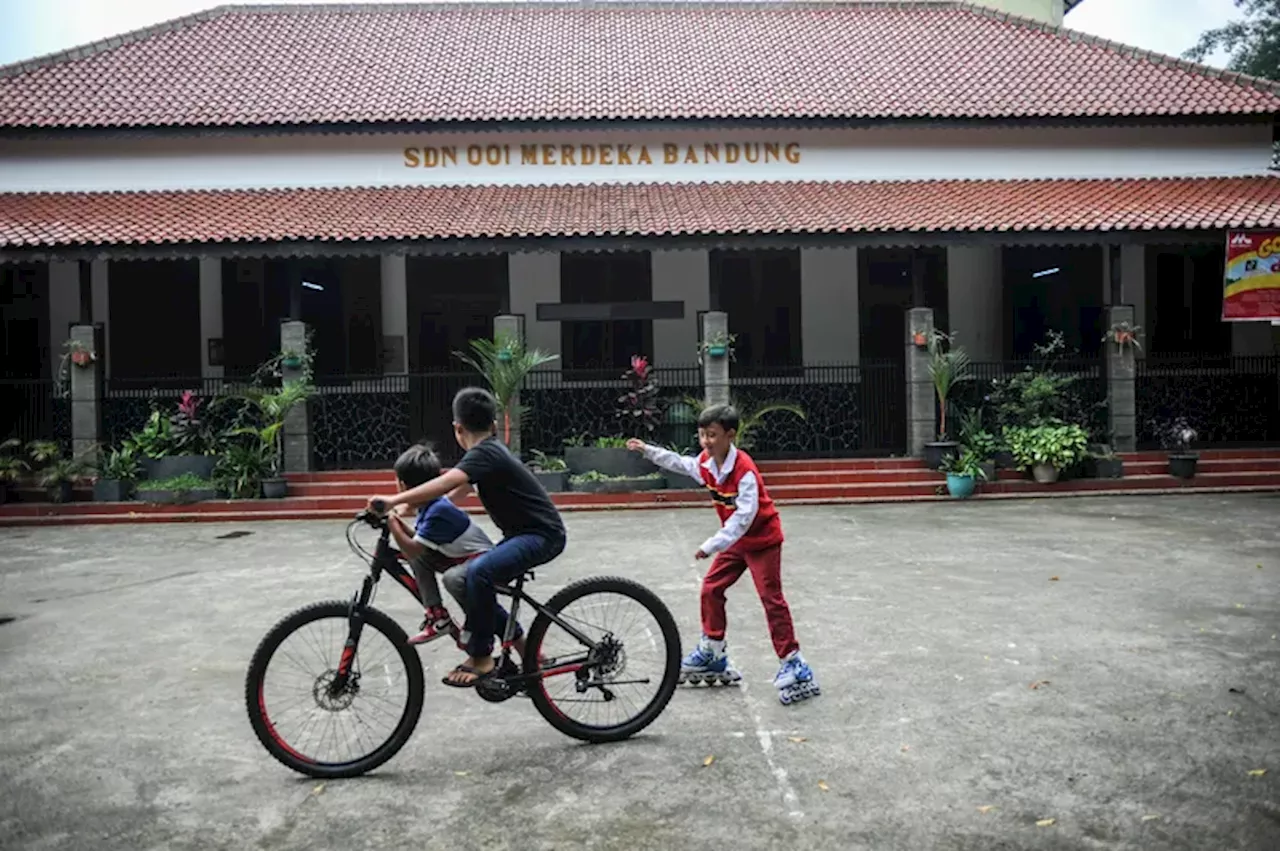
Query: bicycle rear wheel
{"x": 622, "y": 682}
{"x": 319, "y": 730}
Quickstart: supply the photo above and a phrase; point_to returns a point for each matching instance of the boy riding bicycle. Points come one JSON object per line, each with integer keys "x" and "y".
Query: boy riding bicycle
{"x": 750, "y": 539}
{"x": 533, "y": 532}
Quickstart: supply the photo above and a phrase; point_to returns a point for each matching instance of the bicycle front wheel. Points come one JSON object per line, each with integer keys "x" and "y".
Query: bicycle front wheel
{"x": 309, "y": 722}
{"x": 617, "y": 684}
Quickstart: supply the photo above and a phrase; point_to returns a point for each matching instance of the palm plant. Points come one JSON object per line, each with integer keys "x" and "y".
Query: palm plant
{"x": 267, "y": 408}
{"x": 504, "y": 362}
{"x": 948, "y": 365}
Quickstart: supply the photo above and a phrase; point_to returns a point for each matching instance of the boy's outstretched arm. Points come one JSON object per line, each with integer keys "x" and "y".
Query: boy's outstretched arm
{"x": 666, "y": 459}
{"x": 425, "y": 492}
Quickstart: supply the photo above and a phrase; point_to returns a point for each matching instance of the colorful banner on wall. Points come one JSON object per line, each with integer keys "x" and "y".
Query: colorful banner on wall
{"x": 1252, "y": 286}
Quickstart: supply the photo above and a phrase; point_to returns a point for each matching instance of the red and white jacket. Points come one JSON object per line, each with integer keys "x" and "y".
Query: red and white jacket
{"x": 750, "y": 521}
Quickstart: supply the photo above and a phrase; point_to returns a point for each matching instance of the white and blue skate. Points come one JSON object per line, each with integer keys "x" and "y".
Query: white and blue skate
{"x": 795, "y": 681}
{"x": 708, "y": 663}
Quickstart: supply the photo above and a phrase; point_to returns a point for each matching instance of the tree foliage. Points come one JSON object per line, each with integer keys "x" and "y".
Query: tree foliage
{"x": 1253, "y": 43}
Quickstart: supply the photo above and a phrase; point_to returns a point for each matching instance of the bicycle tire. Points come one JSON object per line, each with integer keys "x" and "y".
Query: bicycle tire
{"x": 255, "y": 702}
{"x": 671, "y": 671}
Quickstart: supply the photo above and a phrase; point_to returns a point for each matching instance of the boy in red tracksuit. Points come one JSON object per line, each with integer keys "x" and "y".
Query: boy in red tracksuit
{"x": 750, "y": 538}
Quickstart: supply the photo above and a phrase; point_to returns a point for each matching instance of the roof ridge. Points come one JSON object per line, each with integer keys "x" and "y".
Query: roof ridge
{"x": 84, "y": 51}
{"x": 1120, "y": 47}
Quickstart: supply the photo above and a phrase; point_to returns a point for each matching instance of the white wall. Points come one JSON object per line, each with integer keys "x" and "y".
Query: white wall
{"x": 854, "y": 154}
{"x": 829, "y": 328}
{"x": 210, "y": 312}
{"x": 680, "y": 276}
{"x": 64, "y": 308}
{"x": 395, "y": 314}
{"x": 535, "y": 278}
{"x": 975, "y": 300}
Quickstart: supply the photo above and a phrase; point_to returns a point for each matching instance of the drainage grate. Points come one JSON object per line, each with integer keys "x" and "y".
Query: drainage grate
{"x": 230, "y": 535}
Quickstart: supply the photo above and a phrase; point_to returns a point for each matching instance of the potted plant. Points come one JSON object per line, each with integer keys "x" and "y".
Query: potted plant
{"x": 607, "y": 456}
{"x": 171, "y": 446}
{"x": 551, "y": 472}
{"x": 11, "y": 467}
{"x": 58, "y": 474}
{"x": 116, "y": 474}
{"x": 266, "y": 408}
{"x": 593, "y": 481}
{"x": 505, "y": 363}
{"x": 1177, "y": 437}
{"x": 718, "y": 345}
{"x": 242, "y": 468}
{"x": 638, "y": 410}
{"x": 975, "y": 438}
{"x": 948, "y": 365}
{"x": 1048, "y": 448}
{"x": 80, "y": 354}
{"x": 963, "y": 472}
{"x": 291, "y": 359}
{"x": 1102, "y": 463}
{"x": 1124, "y": 336}
{"x": 179, "y": 490}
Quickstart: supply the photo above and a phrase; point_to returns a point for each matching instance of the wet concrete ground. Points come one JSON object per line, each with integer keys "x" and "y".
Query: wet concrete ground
{"x": 1155, "y": 653}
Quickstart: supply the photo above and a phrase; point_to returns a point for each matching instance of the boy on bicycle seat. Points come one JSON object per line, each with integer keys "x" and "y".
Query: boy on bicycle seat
{"x": 533, "y": 532}
{"x": 750, "y": 539}
{"x": 442, "y": 539}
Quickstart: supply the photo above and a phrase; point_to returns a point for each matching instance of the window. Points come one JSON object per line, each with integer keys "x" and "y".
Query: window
{"x": 1184, "y": 301}
{"x": 760, "y": 290}
{"x": 605, "y": 279}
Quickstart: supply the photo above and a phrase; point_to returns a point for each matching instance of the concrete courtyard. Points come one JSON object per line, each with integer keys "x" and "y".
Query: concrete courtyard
{"x": 1083, "y": 673}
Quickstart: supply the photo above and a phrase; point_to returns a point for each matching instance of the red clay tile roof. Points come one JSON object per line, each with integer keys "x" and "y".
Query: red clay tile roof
{"x": 555, "y": 62}
{"x": 479, "y": 212}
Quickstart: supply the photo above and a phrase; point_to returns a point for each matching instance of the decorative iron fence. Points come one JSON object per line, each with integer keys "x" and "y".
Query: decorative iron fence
{"x": 849, "y": 410}
{"x": 33, "y": 409}
{"x": 359, "y": 422}
{"x": 564, "y": 405}
{"x": 128, "y": 402}
{"x": 1228, "y": 400}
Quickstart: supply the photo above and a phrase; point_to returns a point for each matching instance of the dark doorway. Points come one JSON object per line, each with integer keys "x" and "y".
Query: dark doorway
{"x": 154, "y": 310}
{"x": 1053, "y": 288}
{"x": 888, "y": 287}
{"x": 760, "y": 290}
{"x": 1184, "y": 300}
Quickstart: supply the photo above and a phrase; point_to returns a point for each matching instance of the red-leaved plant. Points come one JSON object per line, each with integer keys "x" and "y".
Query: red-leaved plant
{"x": 638, "y": 407}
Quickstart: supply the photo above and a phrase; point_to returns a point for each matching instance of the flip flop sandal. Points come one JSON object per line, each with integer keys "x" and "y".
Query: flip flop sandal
{"x": 467, "y": 669}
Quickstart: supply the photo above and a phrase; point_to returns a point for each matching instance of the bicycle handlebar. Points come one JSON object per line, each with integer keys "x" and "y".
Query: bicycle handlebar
{"x": 379, "y": 506}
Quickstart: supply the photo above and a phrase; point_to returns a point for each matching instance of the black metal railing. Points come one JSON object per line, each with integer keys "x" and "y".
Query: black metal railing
{"x": 1229, "y": 400}
{"x": 1084, "y": 399}
{"x": 849, "y": 409}
{"x": 34, "y": 409}
{"x": 565, "y": 405}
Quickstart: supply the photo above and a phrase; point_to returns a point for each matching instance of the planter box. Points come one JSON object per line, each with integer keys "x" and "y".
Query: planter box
{"x": 557, "y": 482}
{"x": 112, "y": 490}
{"x": 960, "y": 487}
{"x": 680, "y": 482}
{"x": 1005, "y": 461}
{"x": 988, "y": 467}
{"x": 275, "y": 488}
{"x": 1104, "y": 468}
{"x": 158, "y": 469}
{"x": 176, "y": 497}
{"x": 1183, "y": 466}
{"x": 620, "y": 486}
{"x": 608, "y": 462}
{"x": 61, "y": 492}
{"x": 938, "y": 451}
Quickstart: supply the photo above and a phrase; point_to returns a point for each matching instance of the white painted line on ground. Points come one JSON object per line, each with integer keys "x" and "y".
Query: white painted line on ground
{"x": 766, "y": 746}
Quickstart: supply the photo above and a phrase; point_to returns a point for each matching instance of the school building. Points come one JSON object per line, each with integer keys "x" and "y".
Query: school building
{"x": 396, "y": 176}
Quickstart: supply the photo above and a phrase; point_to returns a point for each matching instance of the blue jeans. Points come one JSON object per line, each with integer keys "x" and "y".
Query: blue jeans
{"x": 502, "y": 564}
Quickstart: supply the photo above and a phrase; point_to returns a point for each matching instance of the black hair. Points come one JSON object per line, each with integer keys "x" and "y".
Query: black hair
{"x": 475, "y": 409}
{"x": 725, "y": 416}
{"x": 417, "y": 464}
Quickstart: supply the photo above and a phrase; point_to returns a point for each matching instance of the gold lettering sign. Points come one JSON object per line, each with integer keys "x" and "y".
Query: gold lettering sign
{"x": 603, "y": 154}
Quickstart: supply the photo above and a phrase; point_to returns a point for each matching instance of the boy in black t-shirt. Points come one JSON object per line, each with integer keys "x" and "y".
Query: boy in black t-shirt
{"x": 532, "y": 530}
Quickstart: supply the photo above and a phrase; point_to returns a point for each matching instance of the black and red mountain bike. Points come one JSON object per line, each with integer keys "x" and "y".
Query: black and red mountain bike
{"x": 335, "y": 689}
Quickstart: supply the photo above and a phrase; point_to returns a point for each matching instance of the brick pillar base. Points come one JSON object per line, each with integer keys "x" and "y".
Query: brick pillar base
{"x": 715, "y": 371}
{"x": 921, "y": 413}
{"x": 1121, "y": 370}
{"x": 297, "y": 424}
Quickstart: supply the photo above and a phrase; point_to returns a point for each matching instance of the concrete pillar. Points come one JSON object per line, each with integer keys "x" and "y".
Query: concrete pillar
{"x": 395, "y": 315}
{"x": 829, "y": 326}
{"x": 975, "y": 300}
{"x": 508, "y": 327}
{"x": 297, "y": 424}
{"x": 534, "y": 279}
{"x": 210, "y": 313}
{"x": 680, "y": 276}
{"x": 86, "y": 395}
{"x": 64, "y": 308}
{"x": 921, "y": 412}
{"x": 100, "y": 284}
{"x": 715, "y": 371}
{"x": 1121, "y": 371}
{"x": 1133, "y": 287}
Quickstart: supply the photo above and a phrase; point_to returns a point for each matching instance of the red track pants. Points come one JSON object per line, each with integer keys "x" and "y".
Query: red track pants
{"x": 766, "y": 572}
